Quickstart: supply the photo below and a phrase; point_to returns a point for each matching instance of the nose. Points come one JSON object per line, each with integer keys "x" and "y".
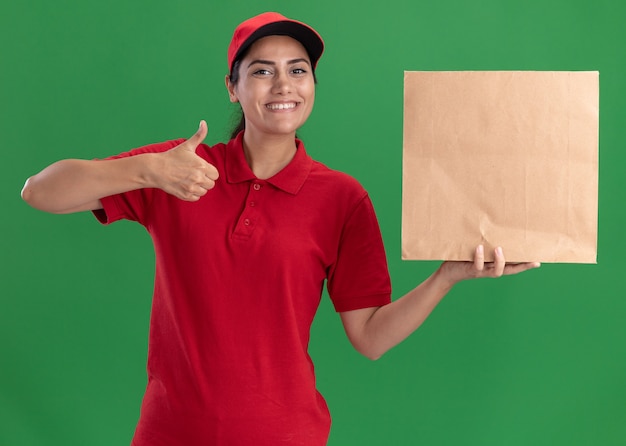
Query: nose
{"x": 282, "y": 84}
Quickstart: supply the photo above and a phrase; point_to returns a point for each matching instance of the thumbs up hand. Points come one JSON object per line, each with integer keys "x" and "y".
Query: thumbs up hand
{"x": 184, "y": 174}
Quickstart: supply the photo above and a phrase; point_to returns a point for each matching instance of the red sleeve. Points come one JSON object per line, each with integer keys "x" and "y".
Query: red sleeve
{"x": 133, "y": 205}
{"x": 360, "y": 277}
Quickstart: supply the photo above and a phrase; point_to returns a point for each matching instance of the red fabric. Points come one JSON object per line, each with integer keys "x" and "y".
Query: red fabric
{"x": 239, "y": 277}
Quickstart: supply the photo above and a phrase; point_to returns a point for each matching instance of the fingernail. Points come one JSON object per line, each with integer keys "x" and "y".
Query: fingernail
{"x": 499, "y": 251}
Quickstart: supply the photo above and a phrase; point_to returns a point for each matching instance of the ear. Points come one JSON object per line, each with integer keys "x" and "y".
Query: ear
{"x": 231, "y": 90}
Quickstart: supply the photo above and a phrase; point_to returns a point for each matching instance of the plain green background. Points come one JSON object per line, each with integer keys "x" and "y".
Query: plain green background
{"x": 533, "y": 359}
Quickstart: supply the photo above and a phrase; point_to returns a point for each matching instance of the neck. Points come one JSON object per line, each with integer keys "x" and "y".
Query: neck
{"x": 268, "y": 154}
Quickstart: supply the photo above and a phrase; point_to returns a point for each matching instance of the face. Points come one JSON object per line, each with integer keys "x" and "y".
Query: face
{"x": 276, "y": 88}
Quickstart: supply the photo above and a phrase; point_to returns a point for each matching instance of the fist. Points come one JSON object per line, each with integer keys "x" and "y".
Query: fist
{"x": 183, "y": 173}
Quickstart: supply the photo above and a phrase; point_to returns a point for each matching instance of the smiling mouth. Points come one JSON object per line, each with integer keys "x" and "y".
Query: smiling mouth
{"x": 282, "y": 106}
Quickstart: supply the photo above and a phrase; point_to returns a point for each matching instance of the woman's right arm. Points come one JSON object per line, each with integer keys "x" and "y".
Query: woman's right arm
{"x": 74, "y": 185}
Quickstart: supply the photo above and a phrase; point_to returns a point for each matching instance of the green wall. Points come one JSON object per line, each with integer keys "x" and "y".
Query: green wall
{"x": 534, "y": 359}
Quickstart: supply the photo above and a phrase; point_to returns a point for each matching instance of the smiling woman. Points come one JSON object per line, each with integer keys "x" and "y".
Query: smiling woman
{"x": 276, "y": 89}
{"x": 246, "y": 233}
{"x": 314, "y": 50}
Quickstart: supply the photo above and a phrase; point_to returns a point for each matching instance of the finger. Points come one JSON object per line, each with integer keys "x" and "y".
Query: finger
{"x": 192, "y": 143}
{"x": 211, "y": 172}
{"x": 208, "y": 185}
{"x": 516, "y": 268}
{"x": 201, "y": 179}
{"x": 194, "y": 194}
{"x": 479, "y": 258}
{"x": 201, "y": 185}
{"x": 499, "y": 263}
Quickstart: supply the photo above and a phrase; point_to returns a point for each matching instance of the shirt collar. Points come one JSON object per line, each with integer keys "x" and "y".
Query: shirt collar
{"x": 290, "y": 179}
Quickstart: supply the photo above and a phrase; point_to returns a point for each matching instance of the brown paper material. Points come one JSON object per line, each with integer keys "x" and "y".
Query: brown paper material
{"x": 500, "y": 158}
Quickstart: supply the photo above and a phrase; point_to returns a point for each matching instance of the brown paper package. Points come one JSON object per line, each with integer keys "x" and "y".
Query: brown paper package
{"x": 500, "y": 158}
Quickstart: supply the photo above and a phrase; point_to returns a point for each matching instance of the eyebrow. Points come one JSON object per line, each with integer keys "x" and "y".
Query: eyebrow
{"x": 269, "y": 62}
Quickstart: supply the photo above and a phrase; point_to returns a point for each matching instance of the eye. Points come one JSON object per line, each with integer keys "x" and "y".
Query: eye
{"x": 299, "y": 71}
{"x": 261, "y": 72}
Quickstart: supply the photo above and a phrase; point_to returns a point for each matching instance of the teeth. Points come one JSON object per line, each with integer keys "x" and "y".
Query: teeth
{"x": 281, "y": 106}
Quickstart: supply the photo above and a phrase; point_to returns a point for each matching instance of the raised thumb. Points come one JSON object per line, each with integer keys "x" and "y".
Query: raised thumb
{"x": 198, "y": 137}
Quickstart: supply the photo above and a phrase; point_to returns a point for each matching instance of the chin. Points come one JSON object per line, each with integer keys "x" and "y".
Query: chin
{"x": 284, "y": 129}
{"x": 277, "y": 127}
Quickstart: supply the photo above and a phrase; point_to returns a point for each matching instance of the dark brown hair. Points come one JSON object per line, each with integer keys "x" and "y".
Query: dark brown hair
{"x": 234, "y": 78}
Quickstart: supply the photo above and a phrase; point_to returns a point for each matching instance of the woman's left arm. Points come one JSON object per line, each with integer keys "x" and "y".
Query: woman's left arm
{"x": 373, "y": 331}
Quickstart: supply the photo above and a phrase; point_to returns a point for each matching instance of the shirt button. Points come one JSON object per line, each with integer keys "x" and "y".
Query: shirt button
{"x": 256, "y": 186}
{"x": 246, "y": 222}
{"x": 252, "y": 204}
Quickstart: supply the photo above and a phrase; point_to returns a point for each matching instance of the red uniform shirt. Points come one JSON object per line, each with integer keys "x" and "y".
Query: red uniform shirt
{"x": 239, "y": 277}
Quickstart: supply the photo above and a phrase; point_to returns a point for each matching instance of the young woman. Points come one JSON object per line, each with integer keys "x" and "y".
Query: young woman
{"x": 245, "y": 234}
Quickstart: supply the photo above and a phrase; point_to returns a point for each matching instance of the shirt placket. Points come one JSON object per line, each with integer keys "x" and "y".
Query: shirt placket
{"x": 249, "y": 218}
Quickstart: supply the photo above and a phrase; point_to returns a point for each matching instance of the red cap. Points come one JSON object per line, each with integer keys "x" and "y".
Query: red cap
{"x": 274, "y": 24}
